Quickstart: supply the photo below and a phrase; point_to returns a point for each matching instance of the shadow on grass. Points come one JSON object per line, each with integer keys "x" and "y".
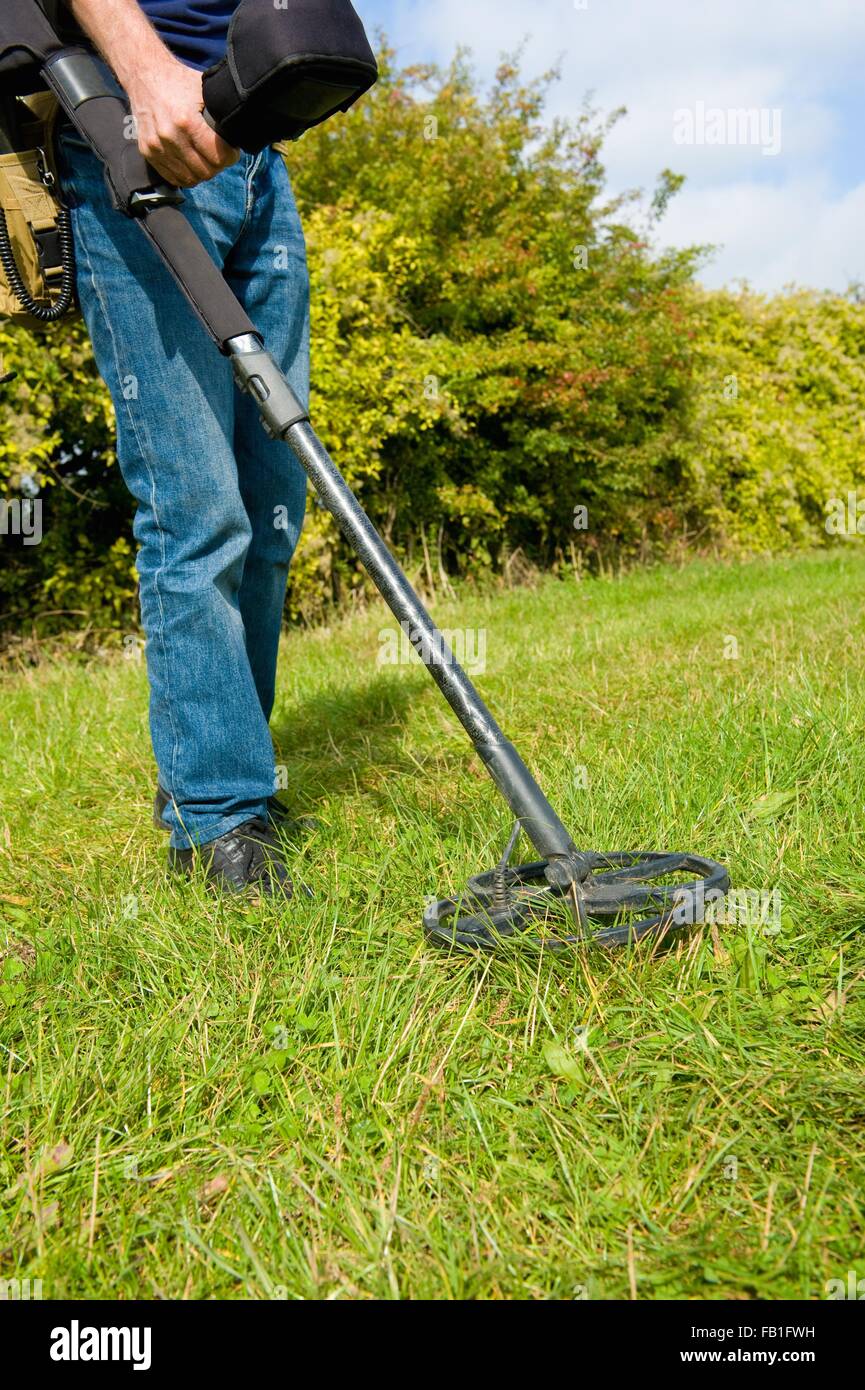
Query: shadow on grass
{"x": 350, "y": 741}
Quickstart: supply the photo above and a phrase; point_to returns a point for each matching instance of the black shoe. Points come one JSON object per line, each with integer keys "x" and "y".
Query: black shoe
{"x": 278, "y": 815}
{"x": 248, "y": 859}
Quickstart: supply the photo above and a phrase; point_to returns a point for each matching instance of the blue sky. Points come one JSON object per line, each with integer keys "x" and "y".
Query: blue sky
{"x": 795, "y": 214}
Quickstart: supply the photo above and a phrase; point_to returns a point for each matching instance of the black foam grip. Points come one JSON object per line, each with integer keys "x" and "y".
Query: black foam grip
{"x": 200, "y": 279}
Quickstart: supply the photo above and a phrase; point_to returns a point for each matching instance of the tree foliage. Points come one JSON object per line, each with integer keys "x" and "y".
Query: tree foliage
{"x": 496, "y": 346}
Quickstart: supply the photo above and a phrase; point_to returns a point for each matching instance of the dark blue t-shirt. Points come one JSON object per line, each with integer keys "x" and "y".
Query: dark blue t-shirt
{"x": 194, "y": 30}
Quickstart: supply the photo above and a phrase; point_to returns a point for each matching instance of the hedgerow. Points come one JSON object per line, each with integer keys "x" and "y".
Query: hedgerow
{"x": 504, "y": 366}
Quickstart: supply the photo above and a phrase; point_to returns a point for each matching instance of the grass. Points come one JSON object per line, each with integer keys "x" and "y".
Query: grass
{"x": 203, "y": 1100}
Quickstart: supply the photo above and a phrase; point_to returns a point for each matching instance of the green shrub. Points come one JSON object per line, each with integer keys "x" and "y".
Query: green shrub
{"x": 777, "y": 420}
{"x": 495, "y": 347}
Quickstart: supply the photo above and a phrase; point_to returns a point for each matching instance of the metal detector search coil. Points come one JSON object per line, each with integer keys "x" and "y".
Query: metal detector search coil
{"x": 622, "y": 901}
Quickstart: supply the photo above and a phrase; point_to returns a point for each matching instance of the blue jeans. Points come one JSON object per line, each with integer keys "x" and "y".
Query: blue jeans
{"x": 219, "y": 505}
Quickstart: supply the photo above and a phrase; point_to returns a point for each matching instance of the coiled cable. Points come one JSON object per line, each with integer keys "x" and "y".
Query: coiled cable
{"x": 45, "y": 313}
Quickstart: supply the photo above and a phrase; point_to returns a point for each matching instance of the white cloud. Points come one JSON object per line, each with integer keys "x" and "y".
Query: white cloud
{"x": 774, "y": 236}
{"x": 617, "y": 37}
{"x": 779, "y": 216}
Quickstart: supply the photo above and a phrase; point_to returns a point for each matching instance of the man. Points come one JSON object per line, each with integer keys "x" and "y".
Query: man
{"x": 219, "y": 505}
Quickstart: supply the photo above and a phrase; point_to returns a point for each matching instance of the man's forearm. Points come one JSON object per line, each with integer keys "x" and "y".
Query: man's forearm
{"x": 125, "y": 38}
{"x": 165, "y": 95}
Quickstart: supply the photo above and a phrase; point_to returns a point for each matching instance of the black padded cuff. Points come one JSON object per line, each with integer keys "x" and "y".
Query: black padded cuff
{"x": 286, "y": 70}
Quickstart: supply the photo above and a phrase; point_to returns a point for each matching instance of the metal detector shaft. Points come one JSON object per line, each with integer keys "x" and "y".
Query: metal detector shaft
{"x": 505, "y": 766}
{"x": 284, "y": 417}
{"x": 93, "y": 100}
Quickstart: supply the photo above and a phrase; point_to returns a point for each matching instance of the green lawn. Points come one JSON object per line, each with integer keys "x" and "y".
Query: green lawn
{"x": 204, "y": 1100}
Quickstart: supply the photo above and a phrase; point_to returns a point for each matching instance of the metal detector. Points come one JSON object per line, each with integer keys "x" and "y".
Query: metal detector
{"x": 277, "y": 82}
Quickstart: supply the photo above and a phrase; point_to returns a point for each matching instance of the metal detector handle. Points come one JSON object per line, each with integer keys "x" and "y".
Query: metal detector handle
{"x": 96, "y": 104}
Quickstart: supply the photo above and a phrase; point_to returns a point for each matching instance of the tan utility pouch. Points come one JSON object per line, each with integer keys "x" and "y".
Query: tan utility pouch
{"x": 36, "y": 258}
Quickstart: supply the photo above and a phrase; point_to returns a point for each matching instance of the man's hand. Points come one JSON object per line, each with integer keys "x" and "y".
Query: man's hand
{"x": 165, "y": 94}
{"x": 172, "y": 133}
